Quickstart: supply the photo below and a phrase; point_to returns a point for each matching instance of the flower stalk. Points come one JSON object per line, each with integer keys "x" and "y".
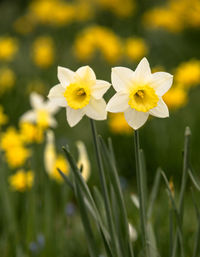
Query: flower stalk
{"x": 141, "y": 194}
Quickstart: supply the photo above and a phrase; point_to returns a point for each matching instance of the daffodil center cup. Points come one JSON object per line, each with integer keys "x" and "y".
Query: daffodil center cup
{"x": 143, "y": 98}
{"x": 77, "y": 95}
{"x": 42, "y": 118}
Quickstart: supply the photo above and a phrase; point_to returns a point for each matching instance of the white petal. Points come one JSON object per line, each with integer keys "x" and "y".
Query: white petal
{"x": 99, "y": 89}
{"x": 51, "y": 107}
{"x": 56, "y": 95}
{"x": 161, "y": 110}
{"x": 143, "y": 71}
{"x": 118, "y": 103}
{"x": 135, "y": 119}
{"x": 86, "y": 73}
{"x": 29, "y": 116}
{"x": 37, "y": 101}
{"x": 65, "y": 76}
{"x": 122, "y": 78}
{"x": 74, "y": 116}
{"x": 96, "y": 109}
{"x": 52, "y": 122}
{"x": 161, "y": 82}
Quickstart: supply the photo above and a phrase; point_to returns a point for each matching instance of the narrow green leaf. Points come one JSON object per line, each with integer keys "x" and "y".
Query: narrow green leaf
{"x": 154, "y": 193}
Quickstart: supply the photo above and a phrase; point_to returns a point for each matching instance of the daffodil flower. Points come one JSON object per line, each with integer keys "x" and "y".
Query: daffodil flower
{"x": 81, "y": 93}
{"x": 139, "y": 93}
{"x": 42, "y": 112}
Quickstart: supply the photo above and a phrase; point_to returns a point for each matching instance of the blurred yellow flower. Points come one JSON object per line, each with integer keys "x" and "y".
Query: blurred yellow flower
{"x": 83, "y": 160}
{"x": 53, "y": 12}
{"x": 43, "y": 52}
{"x": 8, "y": 48}
{"x": 187, "y": 74}
{"x": 122, "y": 8}
{"x": 24, "y": 24}
{"x": 135, "y": 48}
{"x": 175, "y": 98}
{"x": 163, "y": 18}
{"x": 3, "y": 117}
{"x": 31, "y": 133}
{"x": 62, "y": 164}
{"x": 118, "y": 124}
{"x": 17, "y": 156}
{"x": 38, "y": 86}
{"x": 10, "y": 139}
{"x": 21, "y": 180}
{"x": 97, "y": 38}
{"x": 7, "y": 79}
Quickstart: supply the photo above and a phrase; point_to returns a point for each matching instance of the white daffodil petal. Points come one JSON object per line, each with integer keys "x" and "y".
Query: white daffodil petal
{"x": 99, "y": 89}
{"x": 135, "y": 119}
{"x": 56, "y": 95}
{"x": 161, "y": 82}
{"x": 143, "y": 71}
{"x": 74, "y": 116}
{"x": 161, "y": 110}
{"x": 118, "y": 103}
{"x": 86, "y": 72}
{"x": 51, "y": 107}
{"x": 96, "y": 109}
{"x": 29, "y": 116}
{"x": 36, "y": 100}
{"x": 65, "y": 76}
{"x": 122, "y": 78}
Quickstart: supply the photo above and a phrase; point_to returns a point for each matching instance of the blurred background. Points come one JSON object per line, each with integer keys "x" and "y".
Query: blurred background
{"x": 39, "y": 215}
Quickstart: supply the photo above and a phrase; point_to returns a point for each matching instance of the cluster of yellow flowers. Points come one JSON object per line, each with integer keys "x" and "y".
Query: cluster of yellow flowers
{"x": 43, "y": 51}
{"x": 175, "y": 16}
{"x": 22, "y": 180}
{"x": 101, "y": 39}
{"x": 122, "y": 8}
{"x": 186, "y": 76}
{"x": 59, "y": 12}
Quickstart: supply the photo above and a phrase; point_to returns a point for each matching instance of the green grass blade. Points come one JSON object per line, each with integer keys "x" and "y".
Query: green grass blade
{"x": 154, "y": 193}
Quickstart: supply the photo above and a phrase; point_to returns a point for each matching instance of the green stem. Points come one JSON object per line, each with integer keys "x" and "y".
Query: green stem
{"x": 141, "y": 194}
{"x": 104, "y": 188}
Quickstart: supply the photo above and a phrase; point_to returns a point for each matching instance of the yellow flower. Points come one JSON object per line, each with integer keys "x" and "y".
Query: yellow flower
{"x": 135, "y": 48}
{"x": 31, "y": 133}
{"x": 53, "y": 12}
{"x": 17, "y": 156}
{"x": 175, "y": 98}
{"x": 21, "y": 180}
{"x": 43, "y": 52}
{"x": 7, "y": 79}
{"x": 163, "y": 18}
{"x": 8, "y": 48}
{"x": 187, "y": 74}
{"x": 122, "y": 8}
{"x": 10, "y": 139}
{"x": 24, "y": 24}
{"x": 62, "y": 164}
{"x": 118, "y": 124}
{"x": 97, "y": 38}
{"x": 3, "y": 117}
{"x": 37, "y": 86}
